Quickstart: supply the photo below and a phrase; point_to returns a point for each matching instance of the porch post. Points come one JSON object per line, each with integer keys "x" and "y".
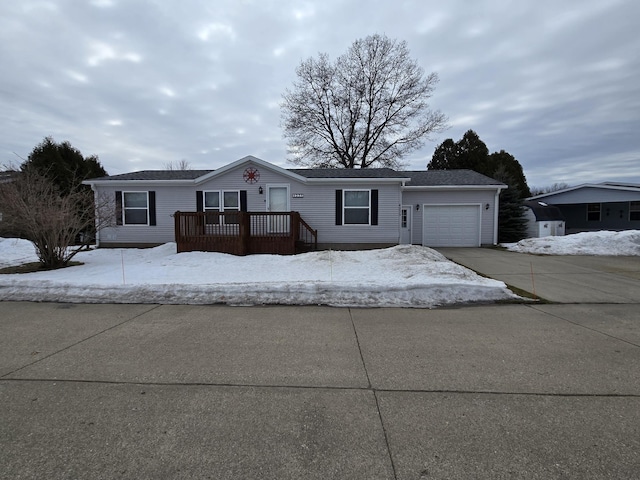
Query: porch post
{"x": 176, "y": 231}
{"x": 244, "y": 225}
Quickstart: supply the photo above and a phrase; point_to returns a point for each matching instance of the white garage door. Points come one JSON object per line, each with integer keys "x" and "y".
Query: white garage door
{"x": 451, "y": 226}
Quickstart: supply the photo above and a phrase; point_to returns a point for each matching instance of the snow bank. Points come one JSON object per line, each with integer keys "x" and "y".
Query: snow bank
{"x": 585, "y": 243}
{"x": 402, "y": 276}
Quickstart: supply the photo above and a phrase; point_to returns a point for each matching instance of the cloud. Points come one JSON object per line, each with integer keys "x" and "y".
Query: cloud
{"x": 553, "y": 84}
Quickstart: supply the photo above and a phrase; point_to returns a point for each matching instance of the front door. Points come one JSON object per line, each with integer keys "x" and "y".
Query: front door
{"x": 278, "y": 201}
{"x": 405, "y": 225}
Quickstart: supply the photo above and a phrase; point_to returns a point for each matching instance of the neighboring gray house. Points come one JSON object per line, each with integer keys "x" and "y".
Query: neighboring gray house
{"x": 349, "y": 208}
{"x": 600, "y": 206}
{"x": 543, "y": 220}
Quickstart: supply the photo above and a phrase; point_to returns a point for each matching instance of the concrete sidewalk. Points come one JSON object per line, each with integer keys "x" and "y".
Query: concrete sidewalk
{"x": 562, "y": 279}
{"x": 144, "y": 391}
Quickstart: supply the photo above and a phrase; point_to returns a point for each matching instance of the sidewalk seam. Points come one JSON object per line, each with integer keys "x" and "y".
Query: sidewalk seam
{"x": 375, "y": 397}
{"x": 321, "y": 387}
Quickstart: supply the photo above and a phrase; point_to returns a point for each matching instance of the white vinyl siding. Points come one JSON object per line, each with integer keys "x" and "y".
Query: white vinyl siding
{"x": 418, "y": 199}
{"x": 314, "y": 202}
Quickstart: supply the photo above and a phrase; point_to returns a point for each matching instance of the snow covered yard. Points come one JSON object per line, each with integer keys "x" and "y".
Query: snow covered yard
{"x": 402, "y": 276}
{"x": 586, "y": 243}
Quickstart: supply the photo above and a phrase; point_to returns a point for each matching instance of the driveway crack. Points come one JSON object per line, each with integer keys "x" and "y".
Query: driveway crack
{"x": 583, "y": 326}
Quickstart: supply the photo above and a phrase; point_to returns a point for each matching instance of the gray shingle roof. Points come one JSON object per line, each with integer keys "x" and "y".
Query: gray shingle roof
{"x": 429, "y": 178}
{"x": 158, "y": 175}
{"x": 544, "y": 212}
{"x": 419, "y": 178}
{"x": 346, "y": 172}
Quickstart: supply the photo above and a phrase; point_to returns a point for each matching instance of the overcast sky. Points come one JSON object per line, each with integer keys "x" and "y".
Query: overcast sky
{"x": 556, "y": 83}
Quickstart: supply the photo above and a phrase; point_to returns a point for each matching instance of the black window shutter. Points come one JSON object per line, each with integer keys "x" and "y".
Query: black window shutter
{"x": 199, "y": 201}
{"x": 374, "y": 207}
{"x": 338, "y": 207}
{"x": 243, "y": 200}
{"x": 118, "y": 208}
{"x": 152, "y": 208}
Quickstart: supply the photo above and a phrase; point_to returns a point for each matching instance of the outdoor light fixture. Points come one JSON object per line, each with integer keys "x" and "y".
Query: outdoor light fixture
{"x": 417, "y": 206}
{"x": 260, "y": 190}
{"x": 486, "y": 207}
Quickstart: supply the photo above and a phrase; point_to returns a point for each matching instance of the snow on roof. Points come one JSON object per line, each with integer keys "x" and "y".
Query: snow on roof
{"x": 544, "y": 212}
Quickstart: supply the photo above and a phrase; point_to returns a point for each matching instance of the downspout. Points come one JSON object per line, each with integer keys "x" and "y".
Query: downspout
{"x": 95, "y": 197}
{"x": 495, "y": 215}
{"x": 402, "y": 185}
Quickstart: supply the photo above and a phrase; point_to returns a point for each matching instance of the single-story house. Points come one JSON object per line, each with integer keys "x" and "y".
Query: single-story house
{"x": 600, "y": 206}
{"x": 347, "y": 208}
{"x": 543, "y": 220}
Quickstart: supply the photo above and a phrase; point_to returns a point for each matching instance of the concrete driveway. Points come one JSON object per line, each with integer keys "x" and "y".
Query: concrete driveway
{"x": 148, "y": 391}
{"x": 562, "y": 279}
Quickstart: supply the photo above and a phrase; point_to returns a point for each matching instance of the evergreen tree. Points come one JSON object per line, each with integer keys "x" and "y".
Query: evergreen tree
{"x": 66, "y": 168}
{"x": 512, "y": 225}
{"x": 470, "y": 152}
{"x": 504, "y": 161}
{"x": 63, "y": 164}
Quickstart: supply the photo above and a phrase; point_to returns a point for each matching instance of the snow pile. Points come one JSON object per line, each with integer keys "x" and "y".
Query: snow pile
{"x": 402, "y": 276}
{"x": 585, "y": 243}
{"x": 14, "y": 251}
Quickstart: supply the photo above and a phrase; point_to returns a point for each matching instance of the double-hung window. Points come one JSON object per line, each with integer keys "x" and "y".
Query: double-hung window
{"x": 222, "y": 201}
{"x": 135, "y": 208}
{"x": 634, "y": 210}
{"x": 357, "y": 207}
{"x": 593, "y": 212}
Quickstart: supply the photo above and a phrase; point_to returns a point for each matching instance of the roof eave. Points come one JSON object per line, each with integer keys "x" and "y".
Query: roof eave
{"x": 123, "y": 183}
{"x": 357, "y": 180}
{"x": 586, "y": 185}
{"x": 256, "y": 161}
{"x": 455, "y": 187}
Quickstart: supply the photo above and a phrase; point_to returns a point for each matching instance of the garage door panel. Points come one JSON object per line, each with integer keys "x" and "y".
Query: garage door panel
{"x": 451, "y": 226}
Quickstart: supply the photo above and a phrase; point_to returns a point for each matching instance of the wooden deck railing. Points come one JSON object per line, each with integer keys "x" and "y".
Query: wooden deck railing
{"x": 242, "y": 233}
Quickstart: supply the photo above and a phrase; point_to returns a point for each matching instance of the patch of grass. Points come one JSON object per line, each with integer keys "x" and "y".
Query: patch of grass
{"x": 524, "y": 294}
{"x": 32, "y": 267}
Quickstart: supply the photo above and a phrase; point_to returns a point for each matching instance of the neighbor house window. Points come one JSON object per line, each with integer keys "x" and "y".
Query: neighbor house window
{"x": 222, "y": 201}
{"x": 357, "y": 207}
{"x": 634, "y": 210}
{"x": 135, "y": 209}
{"x": 593, "y": 212}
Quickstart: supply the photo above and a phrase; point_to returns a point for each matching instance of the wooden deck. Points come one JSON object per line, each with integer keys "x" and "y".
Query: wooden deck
{"x": 244, "y": 233}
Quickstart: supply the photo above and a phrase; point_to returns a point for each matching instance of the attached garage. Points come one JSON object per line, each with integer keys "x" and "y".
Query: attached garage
{"x": 452, "y": 208}
{"x": 451, "y": 225}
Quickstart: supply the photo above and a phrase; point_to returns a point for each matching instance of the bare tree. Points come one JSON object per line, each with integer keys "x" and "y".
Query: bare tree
{"x": 179, "y": 165}
{"x": 368, "y": 108}
{"x": 34, "y": 209}
{"x": 548, "y": 189}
